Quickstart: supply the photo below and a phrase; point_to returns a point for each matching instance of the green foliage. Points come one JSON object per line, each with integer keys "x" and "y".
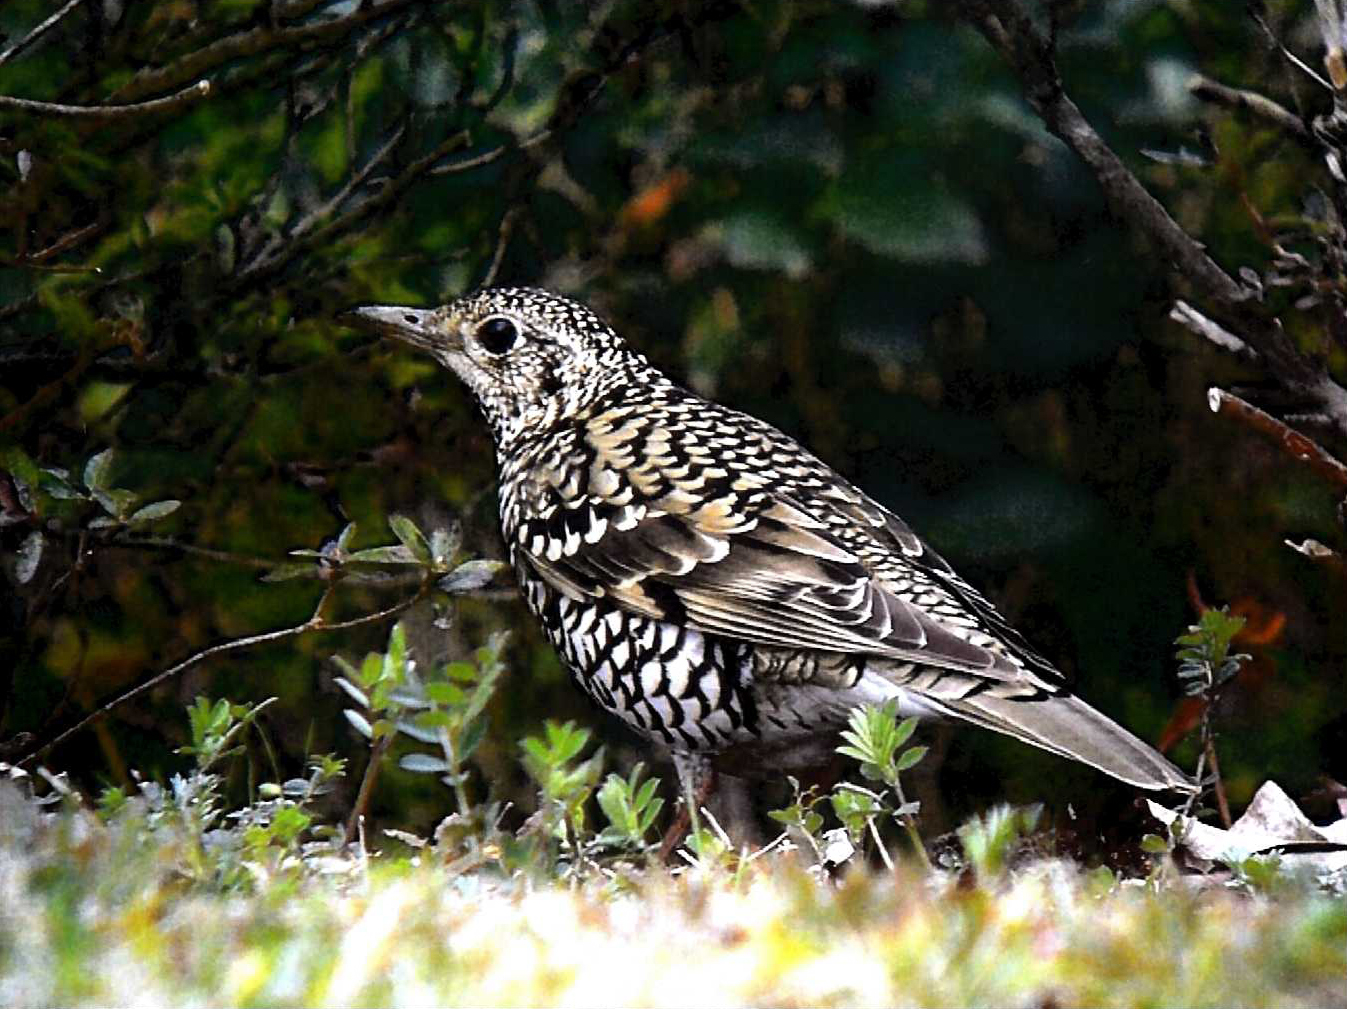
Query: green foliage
{"x": 774, "y": 201}
{"x": 565, "y": 783}
{"x": 632, "y": 808}
{"x": 875, "y": 738}
{"x": 1206, "y": 663}
{"x": 989, "y": 840}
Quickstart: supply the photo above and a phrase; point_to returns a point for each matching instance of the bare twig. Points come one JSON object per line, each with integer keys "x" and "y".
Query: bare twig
{"x": 224, "y": 556}
{"x": 1252, "y": 102}
{"x": 1218, "y": 785}
{"x": 178, "y": 99}
{"x": 495, "y": 154}
{"x": 507, "y": 223}
{"x": 1291, "y": 441}
{"x": 1289, "y": 56}
{"x": 254, "y": 41}
{"x": 1186, "y": 315}
{"x": 387, "y": 193}
{"x": 317, "y": 622}
{"x": 38, "y": 32}
{"x": 367, "y": 782}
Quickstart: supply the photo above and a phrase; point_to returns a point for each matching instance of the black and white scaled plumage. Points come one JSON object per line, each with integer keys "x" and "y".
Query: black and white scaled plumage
{"x": 709, "y": 581}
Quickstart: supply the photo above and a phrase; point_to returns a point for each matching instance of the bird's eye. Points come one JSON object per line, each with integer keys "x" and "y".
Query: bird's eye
{"x": 497, "y": 335}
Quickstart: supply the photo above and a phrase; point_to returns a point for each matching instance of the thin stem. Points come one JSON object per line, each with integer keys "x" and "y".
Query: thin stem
{"x": 356, "y": 821}
{"x": 1222, "y": 803}
{"x": 910, "y": 826}
{"x": 317, "y": 622}
{"x": 879, "y": 843}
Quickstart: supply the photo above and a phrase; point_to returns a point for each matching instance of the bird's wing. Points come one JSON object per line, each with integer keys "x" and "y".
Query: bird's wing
{"x": 763, "y": 568}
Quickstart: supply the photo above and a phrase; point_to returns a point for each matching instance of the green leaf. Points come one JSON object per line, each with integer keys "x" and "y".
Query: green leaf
{"x": 96, "y": 470}
{"x": 359, "y": 722}
{"x": 423, "y": 763}
{"x": 762, "y": 240}
{"x": 463, "y": 672}
{"x": 28, "y": 557}
{"x": 288, "y": 823}
{"x": 355, "y": 693}
{"x": 157, "y": 510}
{"x": 56, "y": 483}
{"x": 412, "y": 538}
{"x": 1154, "y": 844}
{"x": 470, "y": 576}
{"x": 893, "y": 207}
{"x": 345, "y": 536}
{"x": 474, "y": 731}
{"x": 904, "y": 729}
{"x": 910, "y": 758}
{"x": 384, "y": 555}
{"x": 287, "y": 572}
{"x": 115, "y": 502}
{"x": 395, "y": 659}
{"x": 445, "y": 693}
{"x": 444, "y": 543}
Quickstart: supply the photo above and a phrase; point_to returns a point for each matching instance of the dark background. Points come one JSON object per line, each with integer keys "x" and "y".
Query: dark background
{"x": 840, "y": 217}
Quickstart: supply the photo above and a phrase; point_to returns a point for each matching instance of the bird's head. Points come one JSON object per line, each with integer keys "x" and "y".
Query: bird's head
{"x": 532, "y": 359}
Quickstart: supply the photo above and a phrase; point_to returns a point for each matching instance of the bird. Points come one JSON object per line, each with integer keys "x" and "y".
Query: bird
{"x": 709, "y": 581}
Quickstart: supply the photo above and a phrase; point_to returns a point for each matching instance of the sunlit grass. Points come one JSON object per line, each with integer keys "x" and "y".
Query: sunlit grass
{"x": 95, "y": 912}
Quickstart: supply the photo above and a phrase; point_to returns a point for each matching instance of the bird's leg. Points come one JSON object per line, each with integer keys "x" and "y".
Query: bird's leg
{"x": 696, "y": 782}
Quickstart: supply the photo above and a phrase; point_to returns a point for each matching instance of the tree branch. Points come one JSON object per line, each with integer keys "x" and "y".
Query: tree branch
{"x": 1252, "y": 102}
{"x": 1234, "y": 306}
{"x": 254, "y": 41}
{"x": 178, "y": 99}
{"x": 38, "y": 32}
{"x": 1289, "y": 440}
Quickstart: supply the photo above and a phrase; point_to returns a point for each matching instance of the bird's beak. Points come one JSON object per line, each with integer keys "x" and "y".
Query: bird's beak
{"x": 416, "y": 326}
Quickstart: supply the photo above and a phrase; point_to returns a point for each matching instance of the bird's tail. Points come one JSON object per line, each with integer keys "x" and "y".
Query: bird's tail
{"x": 1066, "y": 725}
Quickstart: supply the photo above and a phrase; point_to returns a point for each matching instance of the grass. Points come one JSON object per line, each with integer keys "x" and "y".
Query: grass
{"x": 165, "y": 895}
{"x": 119, "y": 909}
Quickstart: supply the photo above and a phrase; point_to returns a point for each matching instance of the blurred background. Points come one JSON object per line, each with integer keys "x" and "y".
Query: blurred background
{"x": 840, "y": 217}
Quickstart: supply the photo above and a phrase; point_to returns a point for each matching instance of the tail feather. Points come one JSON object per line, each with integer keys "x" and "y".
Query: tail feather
{"x": 1067, "y": 726}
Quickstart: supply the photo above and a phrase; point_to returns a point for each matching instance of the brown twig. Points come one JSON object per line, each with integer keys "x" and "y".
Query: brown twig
{"x": 1288, "y": 439}
{"x": 507, "y": 223}
{"x": 367, "y": 782}
{"x": 495, "y": 154}
{"x": 295, "y": 244}
{"x": 178, "y": 99}
{"x": 252, "y": 42}
{"x": 1222, "y": 803}
{"x": 317, "y": 622}
{"x": 1263, "y": 107}
{"x": 224, "y": 556}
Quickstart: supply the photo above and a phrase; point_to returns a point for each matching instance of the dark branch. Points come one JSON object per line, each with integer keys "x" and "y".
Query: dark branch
{"x": 1253, "y": 103}
{"x": 1234, "y": 306}
{"x": 38, "y": 32}
{"x": 254, "y": 41}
